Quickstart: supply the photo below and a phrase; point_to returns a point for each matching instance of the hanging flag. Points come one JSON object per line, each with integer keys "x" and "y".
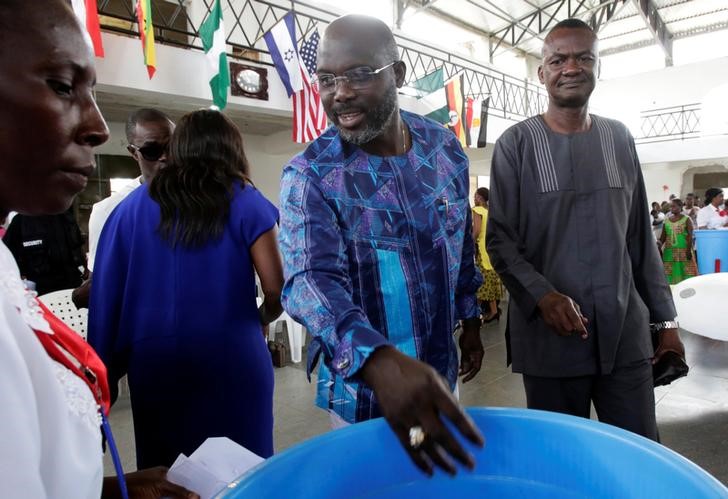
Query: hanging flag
{"x": 281, "y": 42}
{"x": 309, "y": 118}
{"x": 431, "y": 96}
{"x": 456, "y": 104}
{"x": 88, "y": 16}
{"x": 309, "y": 52}
{"x": 146, "y": 33}
{"x": 481, "y": 141}
{"x": 212, "y": 33}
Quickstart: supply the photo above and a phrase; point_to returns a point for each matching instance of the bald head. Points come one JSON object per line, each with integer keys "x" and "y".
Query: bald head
{"x": 361, "y": 34}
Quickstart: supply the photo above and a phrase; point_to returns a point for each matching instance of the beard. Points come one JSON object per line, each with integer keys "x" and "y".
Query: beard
{"x": 377, "y": 120}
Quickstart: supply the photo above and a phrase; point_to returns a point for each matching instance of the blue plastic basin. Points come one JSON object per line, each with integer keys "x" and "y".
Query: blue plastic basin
{"x": 528, "y": 454}
{"x": 711, "y": 245}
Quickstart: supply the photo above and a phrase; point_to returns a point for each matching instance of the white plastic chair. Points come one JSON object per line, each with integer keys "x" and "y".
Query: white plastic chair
{"x": 700, "y": 302}
{"x": 60, "y": 303}
{"x": 294, "y": 330}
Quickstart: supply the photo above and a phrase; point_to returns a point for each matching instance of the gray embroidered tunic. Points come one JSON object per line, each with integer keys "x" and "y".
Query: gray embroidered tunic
{"x": 569, "y": 213}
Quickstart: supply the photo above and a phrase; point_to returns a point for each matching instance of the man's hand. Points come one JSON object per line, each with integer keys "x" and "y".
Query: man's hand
{"x": 82, "y": 294}
{"x": 151, "y": 483}
{"x": 563, "y": 314}
{"x": 412, "y": 394}
{"x": 669, "y": 342}
{"x": 471, "y": 349}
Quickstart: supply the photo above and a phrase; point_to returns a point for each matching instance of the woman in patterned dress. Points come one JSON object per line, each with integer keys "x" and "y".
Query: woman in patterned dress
{"x": 490, "y": 292}
{"x": 677, "y": 245}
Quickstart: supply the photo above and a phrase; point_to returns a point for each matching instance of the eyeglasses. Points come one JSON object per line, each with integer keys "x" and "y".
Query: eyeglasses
{"x": 151, "y": 152}
{"x": 357, "y": 78}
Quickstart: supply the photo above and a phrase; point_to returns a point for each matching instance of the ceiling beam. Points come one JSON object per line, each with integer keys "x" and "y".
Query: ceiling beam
{"x": 418, "y": 7}
{"x": 599, "y": 16}
{"x": 538, "y": 20}
{"x": 678, "y": 35}
{"x": 604, "y": 13}
{"x": 399, "y": 7}
{"x": 651, "y": 16}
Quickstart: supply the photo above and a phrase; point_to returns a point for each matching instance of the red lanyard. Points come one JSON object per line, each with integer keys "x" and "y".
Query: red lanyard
{"x": 83, "y": 360}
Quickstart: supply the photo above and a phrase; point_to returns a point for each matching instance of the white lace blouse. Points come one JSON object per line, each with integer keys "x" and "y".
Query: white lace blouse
{"x": 50, "y": 442}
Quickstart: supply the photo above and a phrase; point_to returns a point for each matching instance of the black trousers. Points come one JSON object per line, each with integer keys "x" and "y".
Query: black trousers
{"x": 623, "y": 398}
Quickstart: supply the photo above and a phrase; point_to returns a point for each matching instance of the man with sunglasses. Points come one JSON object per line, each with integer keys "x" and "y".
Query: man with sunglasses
{"x": 378, "y": 254}
{"x": 148, "y": 132}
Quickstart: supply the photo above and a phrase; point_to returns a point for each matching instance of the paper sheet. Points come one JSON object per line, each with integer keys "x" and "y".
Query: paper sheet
{"x": 217, "y": 462}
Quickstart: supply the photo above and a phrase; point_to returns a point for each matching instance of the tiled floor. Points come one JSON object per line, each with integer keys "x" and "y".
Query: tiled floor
{"x": 692, "y": 413}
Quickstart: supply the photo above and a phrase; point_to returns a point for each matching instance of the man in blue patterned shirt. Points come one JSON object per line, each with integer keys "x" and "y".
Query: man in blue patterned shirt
{"x": 378, "y": 254}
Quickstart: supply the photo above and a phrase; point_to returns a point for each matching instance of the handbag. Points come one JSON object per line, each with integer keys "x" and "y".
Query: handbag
{"x": 277, "y": 352}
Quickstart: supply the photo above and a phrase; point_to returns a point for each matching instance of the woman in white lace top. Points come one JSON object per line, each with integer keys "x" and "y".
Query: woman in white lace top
{"x": 50, "y": 440}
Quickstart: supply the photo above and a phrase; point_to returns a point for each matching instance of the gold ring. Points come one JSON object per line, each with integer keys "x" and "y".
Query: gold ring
{"x": 416, "y": 437}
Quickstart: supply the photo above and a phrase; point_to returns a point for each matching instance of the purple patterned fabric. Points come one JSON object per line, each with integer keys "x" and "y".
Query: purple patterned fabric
{"x": 377, "y": 251}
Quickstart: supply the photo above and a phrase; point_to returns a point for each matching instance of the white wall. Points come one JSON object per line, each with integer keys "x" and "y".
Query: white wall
{"x": 664, "y": 163}
{"x": 678, "y": 176}
{"x": 267, "y": 157}
{"x": 181, "y": 76}
{"x": 624, "y": 98}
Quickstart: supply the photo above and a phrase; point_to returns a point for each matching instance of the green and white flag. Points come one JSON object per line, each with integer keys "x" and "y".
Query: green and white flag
{"x": 212, "y": 34}
{"x": 432, "y": 97}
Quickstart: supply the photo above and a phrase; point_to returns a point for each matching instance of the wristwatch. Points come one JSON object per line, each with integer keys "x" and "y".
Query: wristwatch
{"x": 659, "y": 326}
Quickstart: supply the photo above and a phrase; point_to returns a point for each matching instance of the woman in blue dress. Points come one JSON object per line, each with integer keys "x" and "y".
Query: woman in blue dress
{"x": 174, "y": 300}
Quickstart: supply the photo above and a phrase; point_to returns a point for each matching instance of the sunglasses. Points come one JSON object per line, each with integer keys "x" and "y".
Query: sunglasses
{"x": 151, "y": 152}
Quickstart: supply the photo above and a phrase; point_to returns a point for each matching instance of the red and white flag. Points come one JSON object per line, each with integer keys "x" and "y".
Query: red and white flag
{"x": 309, "y": 117}
{"x": 88, "y": 15}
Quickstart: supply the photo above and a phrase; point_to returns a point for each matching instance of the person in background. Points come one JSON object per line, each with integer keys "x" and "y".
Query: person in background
{"x": 583, "y": 290}
{"x": 50, "y": 439}
{"x": 677, "y": 245}
{"x": 489, "y": 292}
{"x": 49, "y": 250}
{"x": 148, "y": 132}
{"x": 658, "y": 220}
{"x": 689, "y": 209}
{"x": 379, "y": 266}
{"x": 174, "y": 303}
{"x": 713, "y": 215}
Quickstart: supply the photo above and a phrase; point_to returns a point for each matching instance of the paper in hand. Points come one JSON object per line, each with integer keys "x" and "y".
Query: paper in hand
{"x": 217, "y": 462}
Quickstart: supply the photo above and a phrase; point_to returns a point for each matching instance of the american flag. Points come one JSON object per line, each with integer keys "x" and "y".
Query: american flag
{"x": 308, "y": 52}
{"x": 309, "y": 117}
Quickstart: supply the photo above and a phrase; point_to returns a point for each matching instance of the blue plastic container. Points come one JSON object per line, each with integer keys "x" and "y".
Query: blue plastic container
{"x": 528, "y": 454}
{"x": 711, "y": 245}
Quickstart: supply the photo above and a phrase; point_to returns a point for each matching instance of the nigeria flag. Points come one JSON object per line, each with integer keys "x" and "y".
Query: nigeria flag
{"x": 212, "y": 34}
{"x": 432, "y": 96}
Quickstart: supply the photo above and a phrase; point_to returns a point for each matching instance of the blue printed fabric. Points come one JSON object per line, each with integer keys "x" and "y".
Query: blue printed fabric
{"x": 377, "y": 251}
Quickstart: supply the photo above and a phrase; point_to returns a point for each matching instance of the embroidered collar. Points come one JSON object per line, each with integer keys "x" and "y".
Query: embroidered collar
{"x": 13, "y": 290}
